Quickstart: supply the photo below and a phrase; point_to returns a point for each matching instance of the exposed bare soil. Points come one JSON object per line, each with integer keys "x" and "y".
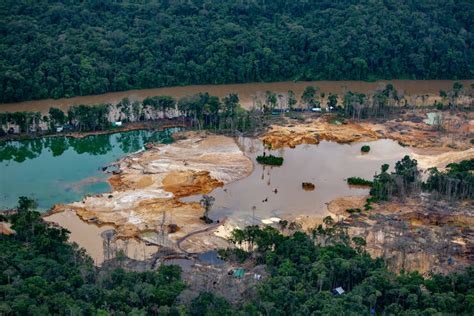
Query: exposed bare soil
{"x": 410, "y": 235}
{"x": 433, "y": 147}
{"x": 147, "y": 190}
{"x": 415, "y": 234}
{"x": 324, "y": 128}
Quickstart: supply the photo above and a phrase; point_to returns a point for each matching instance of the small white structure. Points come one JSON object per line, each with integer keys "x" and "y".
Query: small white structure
{"x": 316, "y": 109}
{"x": 118, "y": 123}
{"x": 271, "y": 220}
{"x": 338, "y": 291}
{"x": 59, "y": 129}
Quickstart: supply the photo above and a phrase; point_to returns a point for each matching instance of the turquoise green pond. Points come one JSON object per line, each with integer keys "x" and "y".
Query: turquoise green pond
{"x": 63, "y": 169}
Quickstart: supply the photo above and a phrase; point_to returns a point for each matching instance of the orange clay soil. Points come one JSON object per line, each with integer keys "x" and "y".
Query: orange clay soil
{"x": 324, "y": 128}
{"x": 458, "y": 130}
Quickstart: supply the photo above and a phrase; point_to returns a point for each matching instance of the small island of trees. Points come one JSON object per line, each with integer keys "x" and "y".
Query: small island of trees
{"x": 270, "y": 160}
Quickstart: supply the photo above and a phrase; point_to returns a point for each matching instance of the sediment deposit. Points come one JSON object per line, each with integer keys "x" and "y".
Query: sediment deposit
{"x": 324, "y": 128}
{"x": 148, "y": 186}
{"x": 409, "y": 130}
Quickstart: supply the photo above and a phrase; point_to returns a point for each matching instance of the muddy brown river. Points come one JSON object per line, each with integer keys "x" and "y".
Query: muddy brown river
{"x": 248, "y": 92}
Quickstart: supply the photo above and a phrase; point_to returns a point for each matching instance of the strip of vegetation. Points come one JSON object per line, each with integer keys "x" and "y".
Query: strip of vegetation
{"x": 270, "y": 160}
{"x": 353, "y": 210}
{"x": 359, "y": 181}
{"x": 457, "y": 182}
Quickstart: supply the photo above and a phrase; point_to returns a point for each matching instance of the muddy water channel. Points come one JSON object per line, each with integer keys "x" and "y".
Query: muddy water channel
{"x": 61, "y": 169}
{"x": 277, "y": 191}
{"x": 247, "y": 92}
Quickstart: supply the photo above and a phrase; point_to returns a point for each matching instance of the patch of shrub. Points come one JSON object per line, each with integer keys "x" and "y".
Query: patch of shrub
{"x": 270, "y": 160}
{"x": 365, "y": 149}
{"x": 359, "y": 181}
{"x": 369, "y": 201}
{"x": 235, "y": 255}
{"x": 353, "y": 210}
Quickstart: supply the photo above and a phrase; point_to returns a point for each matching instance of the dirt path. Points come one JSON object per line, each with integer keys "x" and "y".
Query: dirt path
{"x": 199, "y": 231}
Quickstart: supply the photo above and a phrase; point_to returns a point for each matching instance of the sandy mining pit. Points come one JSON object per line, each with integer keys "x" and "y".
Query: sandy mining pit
{"x": 145, "y": 201}
{"x": 152, "y": 200}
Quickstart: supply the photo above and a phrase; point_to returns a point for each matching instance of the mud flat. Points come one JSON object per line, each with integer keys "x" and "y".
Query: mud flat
{"x": 145, "y": 202}
{"x": 409, "y": 131}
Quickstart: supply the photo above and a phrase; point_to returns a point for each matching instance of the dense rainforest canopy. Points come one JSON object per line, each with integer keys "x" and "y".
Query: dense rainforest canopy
{"x": 66, "y": 48}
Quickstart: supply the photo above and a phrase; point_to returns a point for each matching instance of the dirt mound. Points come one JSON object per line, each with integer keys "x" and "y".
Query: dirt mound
{"x": 338, "y": 207}
{"x": 186, "y": 183}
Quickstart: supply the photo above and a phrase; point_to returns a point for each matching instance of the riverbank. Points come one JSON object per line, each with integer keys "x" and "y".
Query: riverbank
{"x": 156, "y": 125}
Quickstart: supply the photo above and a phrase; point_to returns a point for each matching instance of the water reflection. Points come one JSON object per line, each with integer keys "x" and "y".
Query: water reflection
{"x": 63, "y": 169}
{"x": 128, "y": 142}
